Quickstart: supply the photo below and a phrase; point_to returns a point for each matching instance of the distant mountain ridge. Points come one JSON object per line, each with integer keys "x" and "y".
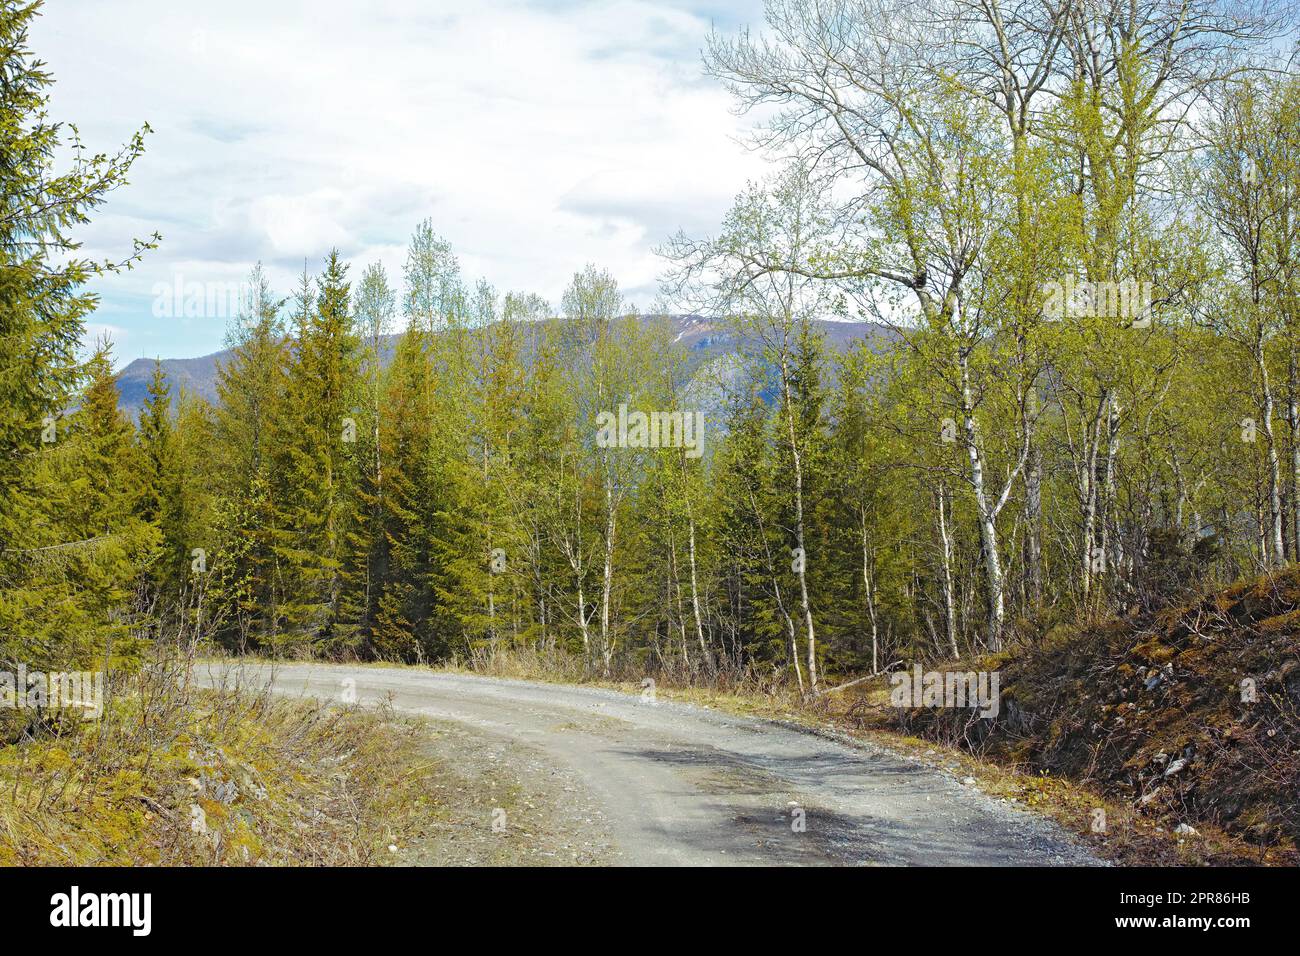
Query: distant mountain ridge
{"x": 704, "y": 337}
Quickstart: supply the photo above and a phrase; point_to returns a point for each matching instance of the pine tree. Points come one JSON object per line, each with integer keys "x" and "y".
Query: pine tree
{"x": 247, "y": 584}
{"x": 315, "y": 432}
{"x": 403, "y": 606}
{"x": 161, "y": 501}
{"x": 93, "y": 606}
{"x": 43, "y": 307}
{"x": 367, "y": 558}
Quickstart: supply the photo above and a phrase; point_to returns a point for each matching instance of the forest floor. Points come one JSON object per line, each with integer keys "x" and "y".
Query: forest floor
{"x": 1182, "y": 717}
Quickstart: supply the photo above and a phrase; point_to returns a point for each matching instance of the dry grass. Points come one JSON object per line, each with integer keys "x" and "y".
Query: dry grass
{"x": 175, "y": 775}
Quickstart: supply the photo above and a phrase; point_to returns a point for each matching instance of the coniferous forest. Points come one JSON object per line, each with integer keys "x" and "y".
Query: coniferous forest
{"x": 1067, "y": 239}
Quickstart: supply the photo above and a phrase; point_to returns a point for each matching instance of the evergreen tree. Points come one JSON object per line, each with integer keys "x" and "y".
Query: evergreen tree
{"x": 93, "y": 606}
{"x": 43, "y": 307}
{"x": 162, "y": 501}
{"x": 315, "y": 434}
{"x": 367, "y": 559}
{"x": 247, "y": 581}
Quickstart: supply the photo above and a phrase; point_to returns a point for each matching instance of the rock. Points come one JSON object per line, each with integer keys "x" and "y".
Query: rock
{"x": 1176, "y": 766}
{"x": 1184, "y": 829}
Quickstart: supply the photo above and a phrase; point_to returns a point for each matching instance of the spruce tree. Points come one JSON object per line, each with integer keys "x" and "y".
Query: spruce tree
{"x": 316, "y": 428}
{"x": 43, "y": 308}
{"x": 367, "y": 558}
{"x": 161, "y": 501}
{"x": 246, "y": 576}
{"x": 92, "y": 605}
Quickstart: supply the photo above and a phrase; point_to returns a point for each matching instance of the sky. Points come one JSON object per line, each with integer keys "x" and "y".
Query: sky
{"x": 537, "y": 137}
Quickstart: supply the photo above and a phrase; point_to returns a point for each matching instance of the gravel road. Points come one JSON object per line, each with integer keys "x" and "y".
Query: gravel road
{"x": 613, "y": 778}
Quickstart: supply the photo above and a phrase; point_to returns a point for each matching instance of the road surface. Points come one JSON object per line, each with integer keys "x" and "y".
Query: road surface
{"x": 636, "y": 782}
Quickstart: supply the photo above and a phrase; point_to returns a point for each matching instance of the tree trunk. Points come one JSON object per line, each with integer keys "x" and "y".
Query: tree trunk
{"x": 695, "y": 600}
{"x": 1111, "y": 550}
{"x": 607, "y": 585}
{"x": 1088, "y": 498}
{"x": 798, "y": 527}
{"x": 1293, "y": 420}
{"x": 776, "y": 591}
{"x": 1277, "y": 556}
{"x": 867, "y": 586}
{"x": 988, "y": 529}
{"x": 1034, "y": 525}
{"x": 949, "y": 599}
{"x": 675, "y": 584}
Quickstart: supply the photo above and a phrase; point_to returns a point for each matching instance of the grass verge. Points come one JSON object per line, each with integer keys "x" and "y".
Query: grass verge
{"x": 176, "y": 775}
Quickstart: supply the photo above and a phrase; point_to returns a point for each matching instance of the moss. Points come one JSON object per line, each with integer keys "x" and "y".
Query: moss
{"x": 1287, "y": 623}
{"x": 1153, "y": 652}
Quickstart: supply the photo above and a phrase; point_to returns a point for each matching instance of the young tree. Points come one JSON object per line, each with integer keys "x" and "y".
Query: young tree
{"x": 248, "y": 584}
{"x": 162, "y": 491}
{"x": 367, "y": 552}
{"x": 755, "y": 271}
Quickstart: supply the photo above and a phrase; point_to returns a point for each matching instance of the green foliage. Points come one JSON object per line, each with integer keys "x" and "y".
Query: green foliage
{"x": 985, "y": 466}
{"x": 68, "y": 548}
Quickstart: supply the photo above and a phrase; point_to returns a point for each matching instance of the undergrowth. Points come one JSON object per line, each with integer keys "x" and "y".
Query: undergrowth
{"x": 172, "y": 774}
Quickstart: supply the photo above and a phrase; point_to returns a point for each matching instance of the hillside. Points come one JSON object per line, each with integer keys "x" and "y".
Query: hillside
{"x": 703, "y": 338}
{"x": 1190, "y": 715}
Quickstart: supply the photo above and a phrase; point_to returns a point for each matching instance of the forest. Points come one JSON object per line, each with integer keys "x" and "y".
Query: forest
{"x": 1070, "y": 227}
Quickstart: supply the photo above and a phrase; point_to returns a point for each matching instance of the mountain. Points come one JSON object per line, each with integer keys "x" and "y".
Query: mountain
{"x": 706, "y": 339}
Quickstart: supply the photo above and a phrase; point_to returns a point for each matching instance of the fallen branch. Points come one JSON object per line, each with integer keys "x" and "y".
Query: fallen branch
{"x": 860, "y": 680}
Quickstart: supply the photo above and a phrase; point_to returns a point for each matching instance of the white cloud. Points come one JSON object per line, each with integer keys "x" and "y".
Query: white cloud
{"x": 536, "y": 136}
{"x": 99, "y": 331}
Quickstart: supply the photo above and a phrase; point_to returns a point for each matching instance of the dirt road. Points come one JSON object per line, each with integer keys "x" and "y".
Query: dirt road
{"x": 616, "y": 778}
